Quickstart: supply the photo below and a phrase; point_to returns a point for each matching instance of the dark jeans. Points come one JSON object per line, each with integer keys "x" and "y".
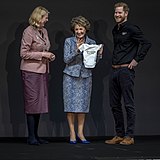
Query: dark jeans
{"x": 121, "y": 84}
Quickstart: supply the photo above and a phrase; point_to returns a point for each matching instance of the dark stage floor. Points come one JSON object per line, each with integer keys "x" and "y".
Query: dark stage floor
{"x": 145, "y": 148}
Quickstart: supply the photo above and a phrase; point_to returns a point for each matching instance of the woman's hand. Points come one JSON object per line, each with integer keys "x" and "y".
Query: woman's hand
{"x": 80, "y": 42}
{"x": 100, "y": 51}
{"x": 50, "y": 56}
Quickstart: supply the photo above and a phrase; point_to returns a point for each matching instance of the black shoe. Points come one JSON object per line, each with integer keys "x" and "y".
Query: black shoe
{"x": 42, "y": 141}
{"x": 33, "y": 142}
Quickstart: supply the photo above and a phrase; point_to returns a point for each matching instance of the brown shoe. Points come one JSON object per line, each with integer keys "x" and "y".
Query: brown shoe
{"x": 114, "y": 140}
{"x": 127, "y": 141}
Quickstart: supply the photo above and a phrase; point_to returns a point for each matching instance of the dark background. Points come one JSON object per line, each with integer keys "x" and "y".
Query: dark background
{"x": 99, "y": 122}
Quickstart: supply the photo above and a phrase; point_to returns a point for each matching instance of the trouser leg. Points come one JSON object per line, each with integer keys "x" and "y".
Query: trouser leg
{"x": 115, "y": 103}
{"x": 127, "y": 85}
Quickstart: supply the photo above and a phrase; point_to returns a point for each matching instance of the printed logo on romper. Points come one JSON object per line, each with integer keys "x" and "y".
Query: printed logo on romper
{"x": 90, "y": 52}
{"x": 124, "y": 33}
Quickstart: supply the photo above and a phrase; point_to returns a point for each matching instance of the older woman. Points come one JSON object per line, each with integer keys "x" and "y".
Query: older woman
{"x": 77, "y": 80}
{"x": 35, "y": 68}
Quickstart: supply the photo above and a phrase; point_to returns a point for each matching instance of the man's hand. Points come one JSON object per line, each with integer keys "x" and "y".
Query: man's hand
{"x": 132, "y": 64}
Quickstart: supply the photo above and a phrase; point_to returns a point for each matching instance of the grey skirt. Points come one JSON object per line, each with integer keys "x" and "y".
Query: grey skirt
{"x": 35, "y": 92}
{"x": 76, "y": 94}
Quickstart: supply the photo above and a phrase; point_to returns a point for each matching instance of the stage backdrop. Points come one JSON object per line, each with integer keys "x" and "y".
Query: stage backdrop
{"x": 99, "y": 122}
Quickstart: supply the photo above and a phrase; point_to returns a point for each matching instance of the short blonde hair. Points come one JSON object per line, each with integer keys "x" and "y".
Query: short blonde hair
{"x": 37, "y": 15}
{"x": 80, "y": 20}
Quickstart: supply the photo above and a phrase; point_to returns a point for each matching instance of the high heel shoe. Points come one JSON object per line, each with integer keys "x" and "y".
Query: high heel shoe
{"x": 83, "y": 141}
{"x": 72, "y": 141}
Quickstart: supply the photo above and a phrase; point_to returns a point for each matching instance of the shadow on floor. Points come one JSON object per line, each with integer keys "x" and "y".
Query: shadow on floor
{"x": 145, "y": 148}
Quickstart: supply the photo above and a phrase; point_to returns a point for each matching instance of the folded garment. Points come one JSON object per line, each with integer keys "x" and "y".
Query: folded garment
{"x": 89, "y": 54}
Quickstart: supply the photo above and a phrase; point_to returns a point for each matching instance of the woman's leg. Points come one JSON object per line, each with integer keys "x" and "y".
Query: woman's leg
{"x": 36, "y": 119}
{"x": 31, "y": 129}
{"x": 71, "y": 121}
{"x": 40, "y": 140}
{"x": 81, "y": 120}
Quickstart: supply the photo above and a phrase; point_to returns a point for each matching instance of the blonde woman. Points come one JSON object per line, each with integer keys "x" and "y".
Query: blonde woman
{"x": 35, "y": 58}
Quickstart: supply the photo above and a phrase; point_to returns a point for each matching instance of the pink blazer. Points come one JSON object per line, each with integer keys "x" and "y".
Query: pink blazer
{"x": 32, "y": 45}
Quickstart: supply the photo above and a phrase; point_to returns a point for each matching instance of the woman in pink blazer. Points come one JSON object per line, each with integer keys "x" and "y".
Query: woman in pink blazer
{"x": 34, "y": 66}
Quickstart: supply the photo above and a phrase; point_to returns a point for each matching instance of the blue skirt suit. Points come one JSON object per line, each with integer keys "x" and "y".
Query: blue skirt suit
{"x": 77, "y": 80}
